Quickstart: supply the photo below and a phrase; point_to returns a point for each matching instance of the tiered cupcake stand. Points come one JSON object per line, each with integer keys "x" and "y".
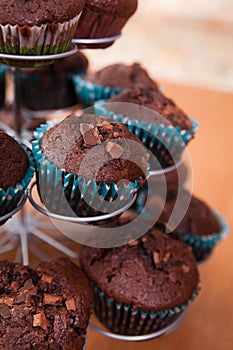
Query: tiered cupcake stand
{"x": 21, "y": 226}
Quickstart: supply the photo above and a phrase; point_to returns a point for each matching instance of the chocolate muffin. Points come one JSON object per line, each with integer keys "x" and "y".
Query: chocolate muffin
{"x": 200, "y": 227}
{"x": 69, "y": 142}
{"x": 38, "y": 27}
{"x": 16, "y": 169}
{"x": 155, "y": 119}
{"x": 104, "y": 19}
{"x": 109, "y": 81}
{"x": 142, "y": 286}
{"x": 88, "y": 159}
{"x": 14, "y": 162}
{"x": 122, "y": 76}
{"x": 156, "y": 101}
{"x": 51, "y": 86}
{"x": 44, "y": 308}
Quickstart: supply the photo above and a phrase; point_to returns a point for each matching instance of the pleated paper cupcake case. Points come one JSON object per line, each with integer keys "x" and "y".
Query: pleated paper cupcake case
{"x": 157, "y": 138}
{"x": 88, "y": 92}
{"x": 208, "y": 242}
{"x": 60, "y": 191}
{"x": 121, "y": 318}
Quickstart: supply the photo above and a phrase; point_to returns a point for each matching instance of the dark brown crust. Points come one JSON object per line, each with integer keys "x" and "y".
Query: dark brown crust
{"x": 121, "y": 8}
{"x": 105, "y": 145}
{"x": 156, "y": 101}
{"x": 199, "y": 219}
{"x": 154, "y": 273}
{"x": 122, "y": 76}
{"x": 37, "y": 12}
{"x": 44, "y": 308}
{"x": 13, "y": 161}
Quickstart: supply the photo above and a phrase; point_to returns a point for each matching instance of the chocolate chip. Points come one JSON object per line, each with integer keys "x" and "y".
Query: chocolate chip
{"x": 90, "y": 134}
{"x": 185, "y": 268}
{"x": 70, "y": 304}
{"x": 40, "y": 320}
{"x": 52, "y": 299}
{"x": 5, "y": 311}
{"x": 156, "y": 257}
{"x": 114, "y": 149}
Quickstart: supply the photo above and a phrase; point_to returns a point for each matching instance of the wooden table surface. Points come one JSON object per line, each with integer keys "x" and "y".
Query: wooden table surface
{"x": 208, "y": 322}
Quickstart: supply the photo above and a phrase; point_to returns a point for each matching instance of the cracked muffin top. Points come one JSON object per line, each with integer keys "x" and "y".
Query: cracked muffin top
{"x": 37, "y": 12}
{"x": 47, "y": 307}
{"x": 96, "y": 148}
{"x": 156, "y": 272}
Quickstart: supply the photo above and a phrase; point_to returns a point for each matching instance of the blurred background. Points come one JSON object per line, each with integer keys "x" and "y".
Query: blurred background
{"x": 188, "y": 42}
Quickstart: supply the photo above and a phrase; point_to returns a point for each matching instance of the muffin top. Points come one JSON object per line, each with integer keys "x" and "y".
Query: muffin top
{"x": 158, "y": 102}
{"x": 96, "y": 148}
{"x": 47, "y": 307}
{"x": 155, "y": 272}
{"x": 37, "y": 12}
{"x": 14, "y": 161}
{"x": 122, "y": 76}
{"x": 199, "y": 219}
{"x": 119, "y": 8}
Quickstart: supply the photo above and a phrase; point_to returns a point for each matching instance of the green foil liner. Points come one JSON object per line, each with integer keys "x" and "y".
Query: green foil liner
{"x": 88, "y": 92}
{"x": 9, "y": 199}
{"x": 203, "y": 245}
{"x": 121, "y": 318}
{"x": 158, "y": 138}
{"x": 69, "y": 195}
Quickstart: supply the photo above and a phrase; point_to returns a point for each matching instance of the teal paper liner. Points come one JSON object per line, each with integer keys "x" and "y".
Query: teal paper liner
{"x": 55, "y": 185}
{"x": 152, "y": 135}
{"x": 88, "y": 92}
{"x": 201, "y": 245}
{"x": 121, "y": 318}
{"x": 10, "y": 198}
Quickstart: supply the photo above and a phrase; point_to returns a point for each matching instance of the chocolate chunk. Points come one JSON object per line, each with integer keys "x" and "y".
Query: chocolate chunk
{"x": 40, "y": 320}
{"x": 156, "y": 257}
{"x": 91, "y": 137}
{"x": 114, "y": 149}
{"x": 70, "y": 304}
{"x": 46, "y": 278}
{"x": 52, "y": 299}
{"x": 5, "y": 311}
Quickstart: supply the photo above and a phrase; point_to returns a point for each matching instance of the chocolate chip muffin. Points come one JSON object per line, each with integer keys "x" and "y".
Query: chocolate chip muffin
{"x": 51, "y": 86}
{"x": 111, "y": 80}
{"x": 122, "y": 76}
{"x": 87, "y": 162}
{"x": 147, "y": 283}
{"x": 14, "y": 162}
{"x": 201, "y": 227}
{"x": 156, "y": 101}
{"x": 69, "y": 142}
{"x": 38, "y": 27}
{"x": 104, "y": 19}
{"x": 47, "y": 307}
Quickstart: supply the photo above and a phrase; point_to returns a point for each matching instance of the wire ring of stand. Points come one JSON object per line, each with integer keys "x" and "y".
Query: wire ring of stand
{"x": 15, "y": 210}
{"x": 143, "y": 337}
{"x": 106, "y": 40}
{"x": 76, "y": 219}
{"x": 29, "y": 61}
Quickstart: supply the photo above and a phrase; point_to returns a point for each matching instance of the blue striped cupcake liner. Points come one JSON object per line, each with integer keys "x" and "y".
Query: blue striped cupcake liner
{"x": 9, "y": 199}
{"x": 202, "y": 244}
{"x": 158, "y": 138}
{"x": 69, "y": 195}
{"x": 88, "y": 92}
{"x": 121, "y": 318}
